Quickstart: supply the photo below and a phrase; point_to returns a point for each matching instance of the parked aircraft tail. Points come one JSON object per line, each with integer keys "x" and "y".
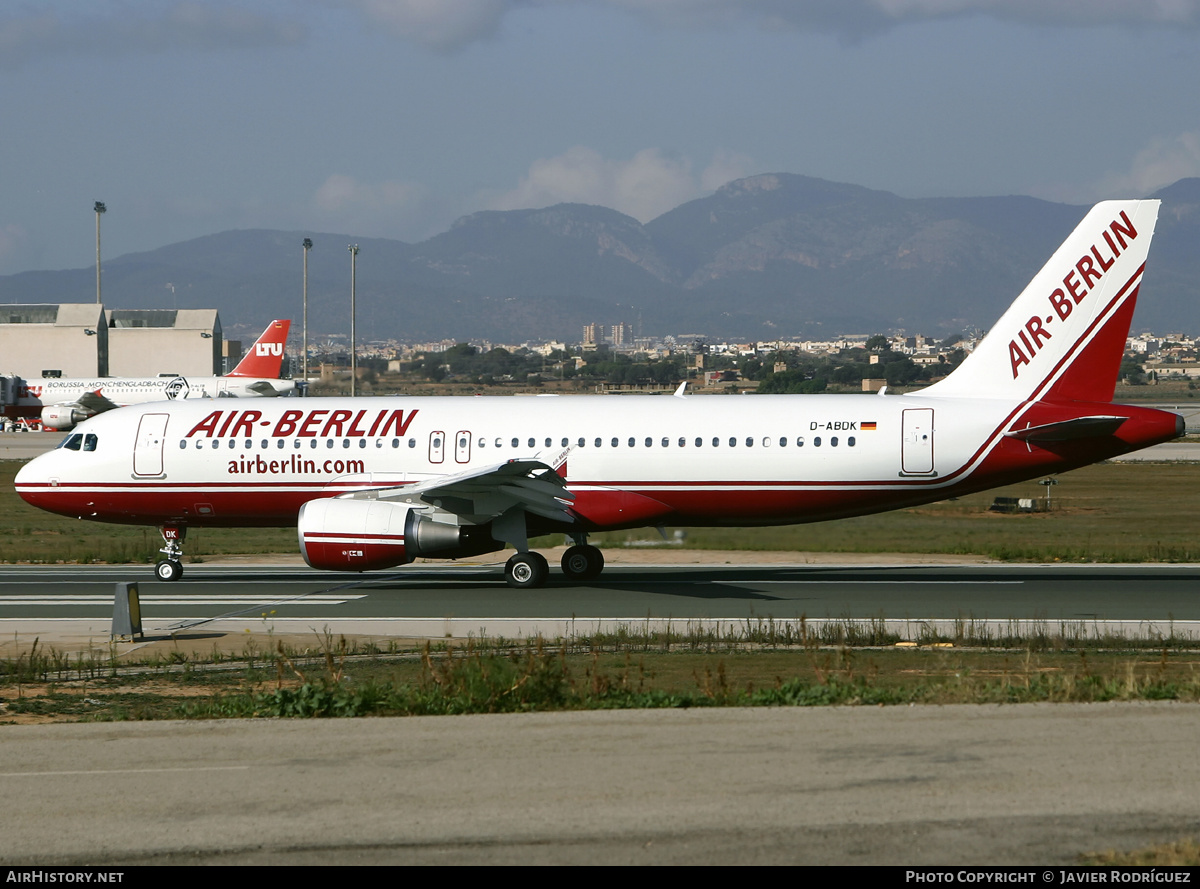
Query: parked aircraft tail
{"x": 265, "y": 358}
{"x": 1064, "y": 336}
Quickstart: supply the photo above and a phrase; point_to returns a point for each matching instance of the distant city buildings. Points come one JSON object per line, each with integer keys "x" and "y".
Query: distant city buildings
{"x": 618, "y": 336}
{"x": 1162, "y": 355}
{"x": 1170, "y": 355}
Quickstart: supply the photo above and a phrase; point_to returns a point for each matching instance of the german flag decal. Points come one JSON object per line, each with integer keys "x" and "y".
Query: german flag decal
{"x": 867, "y": 425}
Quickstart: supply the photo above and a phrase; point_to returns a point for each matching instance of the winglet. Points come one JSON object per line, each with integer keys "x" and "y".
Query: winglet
{"x": 265, "y": 357}
{"x": 681, "y": 392}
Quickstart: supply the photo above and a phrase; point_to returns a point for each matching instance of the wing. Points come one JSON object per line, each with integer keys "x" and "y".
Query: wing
{"x": 96, "y": 403}
{"x": 481, "y": 495}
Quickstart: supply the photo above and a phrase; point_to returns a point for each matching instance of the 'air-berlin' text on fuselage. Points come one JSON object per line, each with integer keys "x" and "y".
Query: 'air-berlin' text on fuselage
{"x": 306, "y": 424}
{"x": 1077, "y": 283}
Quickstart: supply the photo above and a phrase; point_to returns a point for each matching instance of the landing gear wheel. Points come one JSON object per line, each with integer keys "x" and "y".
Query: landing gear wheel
{"x": 168, "y": 570}
{"x": 582, "y": 562}
{"x": 526, "y": 570}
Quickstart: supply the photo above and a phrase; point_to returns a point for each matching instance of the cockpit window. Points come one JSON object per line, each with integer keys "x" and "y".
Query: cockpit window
{"x": 78, "y": 440}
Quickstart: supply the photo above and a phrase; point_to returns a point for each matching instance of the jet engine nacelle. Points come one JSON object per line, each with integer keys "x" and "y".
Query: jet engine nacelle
{"x": 62, "y": 417}
{"x": 366, "y": 535}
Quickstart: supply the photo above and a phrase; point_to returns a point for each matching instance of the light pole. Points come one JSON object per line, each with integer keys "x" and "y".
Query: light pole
{"x": 304, "y": 347}
{"x": 1048, "y": 483}
{"x": 99, "y": 208}
{"x": 353, "y": 248}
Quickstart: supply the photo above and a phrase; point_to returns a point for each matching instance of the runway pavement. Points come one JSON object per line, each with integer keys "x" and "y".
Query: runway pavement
{"x": 72, "y": 606}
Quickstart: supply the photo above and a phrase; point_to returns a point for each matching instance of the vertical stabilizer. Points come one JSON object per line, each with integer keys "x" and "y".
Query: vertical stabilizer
{"x": 1063, "y": 338}
{"x": 265, "y": 358}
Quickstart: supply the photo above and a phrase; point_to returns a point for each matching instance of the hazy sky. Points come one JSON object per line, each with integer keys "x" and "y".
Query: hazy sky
{"x": 391, "y": 118}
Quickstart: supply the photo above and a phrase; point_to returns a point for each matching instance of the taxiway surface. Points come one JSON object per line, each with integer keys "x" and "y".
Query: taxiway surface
{"x": 439, "y": 601}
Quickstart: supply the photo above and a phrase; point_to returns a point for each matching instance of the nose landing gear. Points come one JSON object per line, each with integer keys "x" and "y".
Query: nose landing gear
{"x": 170, "y": 569}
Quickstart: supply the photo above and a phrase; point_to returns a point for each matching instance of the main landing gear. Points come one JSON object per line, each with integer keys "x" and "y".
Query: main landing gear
{"x": 525, "y": 570}
{"x": 582, "y": 562}
{"x": 170, "y": 569}
{"x": 529, "y": 569}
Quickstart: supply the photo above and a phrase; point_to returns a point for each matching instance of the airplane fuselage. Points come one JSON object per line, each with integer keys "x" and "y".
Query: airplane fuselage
{"x": 699, "y": 460}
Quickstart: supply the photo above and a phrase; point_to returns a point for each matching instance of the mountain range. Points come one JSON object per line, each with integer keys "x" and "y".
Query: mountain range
{"x": 771, "y": 256}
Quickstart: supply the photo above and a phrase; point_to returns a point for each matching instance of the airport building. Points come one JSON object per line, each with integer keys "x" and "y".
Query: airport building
{"x": 149, "y": 342}
{"x": 85, "y": 340}
{"x": 68, "y": 340}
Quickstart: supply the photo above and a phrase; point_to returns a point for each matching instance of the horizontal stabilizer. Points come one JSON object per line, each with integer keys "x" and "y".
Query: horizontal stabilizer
{"x": 1069, "y": 430}
{"x": 263, "y": 388}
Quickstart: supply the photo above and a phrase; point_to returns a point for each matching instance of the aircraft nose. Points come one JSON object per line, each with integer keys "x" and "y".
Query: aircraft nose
{"x": 26, "y": 473}
{"x": 33, "y": 477}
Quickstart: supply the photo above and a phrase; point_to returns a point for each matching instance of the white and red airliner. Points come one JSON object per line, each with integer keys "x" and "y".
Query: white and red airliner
{"x": 373, "y": 483}
{"x": 63, "y": 403}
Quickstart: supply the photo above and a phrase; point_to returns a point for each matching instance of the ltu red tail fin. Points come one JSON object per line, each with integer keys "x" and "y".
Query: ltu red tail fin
{"x": 264, "y": 359}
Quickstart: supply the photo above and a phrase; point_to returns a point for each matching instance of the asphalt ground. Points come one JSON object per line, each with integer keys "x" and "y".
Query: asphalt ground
{"x": 955, "y": 785}
{"x": 71, "y": 607}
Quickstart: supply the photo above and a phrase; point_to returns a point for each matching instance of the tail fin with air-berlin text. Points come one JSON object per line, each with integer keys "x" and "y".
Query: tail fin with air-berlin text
{"x": 1064, "y": 336}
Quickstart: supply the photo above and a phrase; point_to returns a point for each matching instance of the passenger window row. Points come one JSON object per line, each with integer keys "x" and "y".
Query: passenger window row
{"x": 88, "y": 443}
{"x": 666, "y": 442}
{"x": 248, "y": 443}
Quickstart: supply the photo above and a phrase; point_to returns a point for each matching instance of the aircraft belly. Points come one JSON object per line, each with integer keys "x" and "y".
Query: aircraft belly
{"x": 785, "y": 503}
{"x": 198, "y": 505}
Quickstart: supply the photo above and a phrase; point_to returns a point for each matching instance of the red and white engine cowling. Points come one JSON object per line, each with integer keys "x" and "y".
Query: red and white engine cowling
{"x": 62, "y": 417}
{"x": 366, "y": 535}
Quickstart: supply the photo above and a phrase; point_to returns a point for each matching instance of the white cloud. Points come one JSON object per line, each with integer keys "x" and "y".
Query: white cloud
{"x": 1079, "y": 12}
{"x": 439, "y": 24}
{"x": 126, "y": 28}
{"x": 859, "y": 17}
{"x": 343, "y": 194}
{"x": 1160, "y": 163}
{"x": 448, "y": 25}
{"x": 725, "y": 167}
{"x": 388, "y": 209}
{"x": 645, "y": 186}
